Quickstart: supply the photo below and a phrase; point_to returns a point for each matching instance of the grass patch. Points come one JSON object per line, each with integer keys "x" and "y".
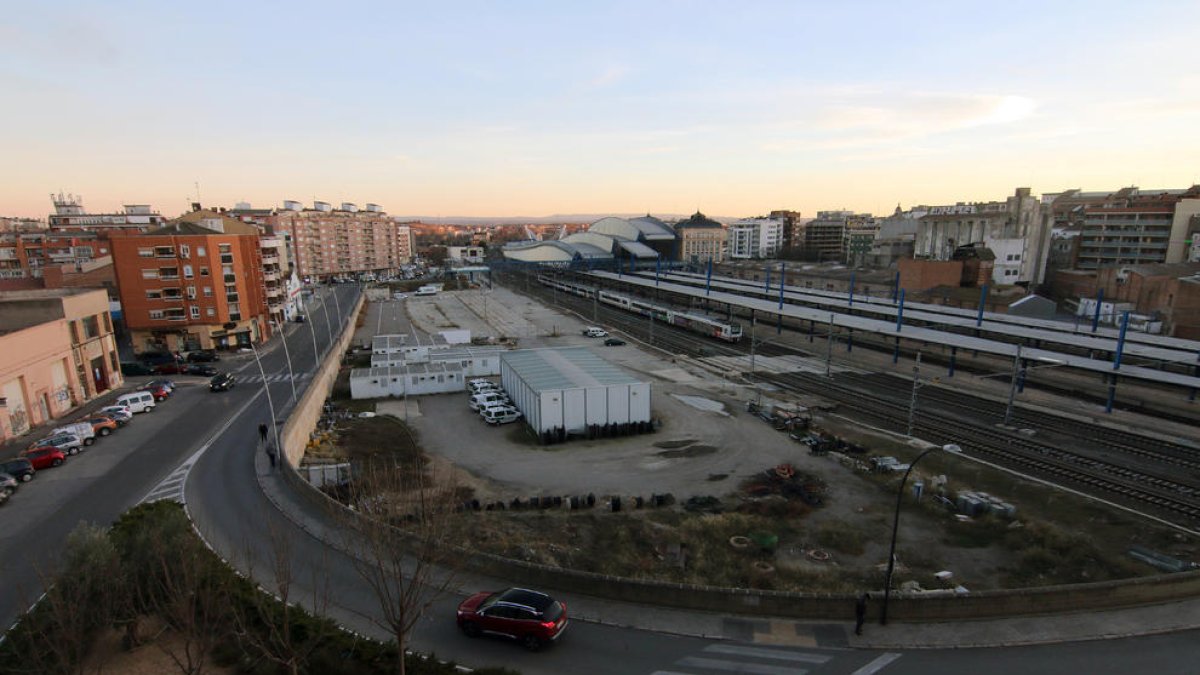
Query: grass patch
{"x": 841, "y": 537}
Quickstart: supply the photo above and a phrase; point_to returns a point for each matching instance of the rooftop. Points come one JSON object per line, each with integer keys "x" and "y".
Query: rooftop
{"x": 564, "y": 368}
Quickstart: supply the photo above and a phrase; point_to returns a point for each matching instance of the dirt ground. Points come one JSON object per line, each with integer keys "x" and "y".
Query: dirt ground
{"x": 707, "y": 445}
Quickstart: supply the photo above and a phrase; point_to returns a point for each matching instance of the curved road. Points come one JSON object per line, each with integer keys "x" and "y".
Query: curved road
{"x": 227, "y": 504}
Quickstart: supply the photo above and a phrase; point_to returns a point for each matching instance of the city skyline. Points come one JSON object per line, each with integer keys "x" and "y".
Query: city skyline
{"x": 536, "y": 109}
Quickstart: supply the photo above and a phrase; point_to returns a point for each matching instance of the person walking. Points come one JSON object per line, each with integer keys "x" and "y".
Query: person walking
{"x": 271, "y": 454}
{"x": 860, "y": 612}
{"x": 262, "y": 432}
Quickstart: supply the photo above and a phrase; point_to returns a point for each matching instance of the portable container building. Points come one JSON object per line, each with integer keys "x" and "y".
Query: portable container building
{"x": 572, "y": 389}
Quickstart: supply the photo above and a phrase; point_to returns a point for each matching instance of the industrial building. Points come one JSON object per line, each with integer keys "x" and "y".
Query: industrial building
{"x": 416, "y": 379}
{"x": 572, "y": 391}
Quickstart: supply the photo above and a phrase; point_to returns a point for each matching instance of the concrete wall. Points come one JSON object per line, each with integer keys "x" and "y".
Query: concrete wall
{"x": 922, "y": 275}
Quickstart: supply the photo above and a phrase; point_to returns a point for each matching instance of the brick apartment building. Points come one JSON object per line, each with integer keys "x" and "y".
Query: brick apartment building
{"x": 1138, "y": 227}
{"x": 196, "y": 283}
{"x": 344, "y": 242}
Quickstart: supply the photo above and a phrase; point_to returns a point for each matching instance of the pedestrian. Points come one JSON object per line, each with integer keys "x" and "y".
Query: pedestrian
{"x": 860, "y": 612}
{"x": 271, "y": 454}
{"x": 262, "y": 432}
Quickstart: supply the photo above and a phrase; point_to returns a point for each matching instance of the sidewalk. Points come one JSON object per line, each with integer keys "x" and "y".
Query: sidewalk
{"x": 1005, "y": 632}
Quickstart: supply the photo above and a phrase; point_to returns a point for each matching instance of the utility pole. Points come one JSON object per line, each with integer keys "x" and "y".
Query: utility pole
{"x": 829, "y": 349}
{"x": 1012, "y": 387}
{"x": 912, "y": 402}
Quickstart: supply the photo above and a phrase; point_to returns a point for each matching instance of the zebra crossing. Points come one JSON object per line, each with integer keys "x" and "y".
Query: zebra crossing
{"x": 275, "y": 377}
{"x": 724, "y": 658}
{"x": 171, "y": 487}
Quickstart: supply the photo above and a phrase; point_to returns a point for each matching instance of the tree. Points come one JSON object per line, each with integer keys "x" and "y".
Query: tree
{"x": 400, "y": 541}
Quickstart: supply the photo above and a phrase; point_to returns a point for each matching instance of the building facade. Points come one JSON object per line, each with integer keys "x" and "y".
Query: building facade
{"x": 69, "y": 216}
{"x": 57, "y": 350}
{"x": 345, "y": 242}
{"x": 751, "y": 238}
{"x": 1013, "y": 230}
{"x": 196, "y": 283}
{"x": 858, "y": 238}
{"x": 1138, "y": 227}
{"x": 700, "y": 239}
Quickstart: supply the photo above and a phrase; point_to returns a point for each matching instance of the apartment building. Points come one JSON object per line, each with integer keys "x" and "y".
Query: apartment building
{"x": 825, "y": 235}
{"x": 344, "y": 242}
{"x": 1138, "y": 227}
{"x": 57, "y": 350}
{"x": 751, "y": 238}
{"x": 70, "y": 216}
{"x": 793, "y": 228}
{"x": 858, "y": 238}
{"x": 700, "y": 239}
{"x": 1013, "y": 230}
{"x": 196, "y": 283}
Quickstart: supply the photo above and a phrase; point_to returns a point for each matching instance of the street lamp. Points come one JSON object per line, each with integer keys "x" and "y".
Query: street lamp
{"x": 270, "y": 404}
{"x": 887, "y": 586}
{"x": 287, "y": 354}
{"x": 312, "y": 329}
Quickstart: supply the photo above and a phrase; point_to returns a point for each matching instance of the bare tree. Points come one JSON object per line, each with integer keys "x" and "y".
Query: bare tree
{"x": 400, "y": 542}
{"x": 271, "y": 622}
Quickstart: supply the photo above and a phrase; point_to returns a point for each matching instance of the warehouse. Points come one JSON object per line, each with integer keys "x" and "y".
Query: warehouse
{"x": 571, "y": 391}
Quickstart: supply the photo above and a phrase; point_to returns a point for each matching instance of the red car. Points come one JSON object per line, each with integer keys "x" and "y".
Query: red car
{"x": 44, "y": 457}
{"x": 169, "y": 368}
{"x": 160, "y": 392}
{"x": 533, "y": 618}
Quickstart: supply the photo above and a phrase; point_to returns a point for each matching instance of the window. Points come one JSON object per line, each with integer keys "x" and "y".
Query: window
{"x": 200, "y": 252}
{"x": 203, "y": 271}
{"x": 225, "y": 248}
{"x": 74, "y": 332}
{"x": 145, "y": 252}
{"x": 156, "y": 314}
{"x": 153, "y": 295}
{"x": 107, "y": 323}
{"x": 210, "y": 312}
{"x": 187, "y": 271}
{"x": 191, "y": 292}
{"x": 149, "y": 274}
{"x": 208, "y": 291}
{"x": 195, "y": 311}
{"x": 185, "y": 251}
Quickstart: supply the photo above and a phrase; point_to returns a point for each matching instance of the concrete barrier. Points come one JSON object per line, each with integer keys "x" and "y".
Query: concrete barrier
{"x": 1141, "y": 591}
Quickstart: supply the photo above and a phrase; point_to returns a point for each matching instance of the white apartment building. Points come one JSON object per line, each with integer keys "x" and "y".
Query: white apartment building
{"x": 755, "y": 238}
{"x": 1013, "y": 230}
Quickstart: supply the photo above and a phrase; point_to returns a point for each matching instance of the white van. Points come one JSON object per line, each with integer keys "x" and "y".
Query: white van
{"x": 84, "y": 430}
{"x": 138, "y": 401}
{"x": 500, "y": 415}
{"x": 482, "y": 400}
{"x": 595, "y": 332}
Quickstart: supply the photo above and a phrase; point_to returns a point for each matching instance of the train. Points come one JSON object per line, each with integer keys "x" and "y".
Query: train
{"x": 696, "y": 323}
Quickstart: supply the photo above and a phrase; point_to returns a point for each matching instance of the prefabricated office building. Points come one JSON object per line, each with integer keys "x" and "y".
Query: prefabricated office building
{"x": 572, "y": 388}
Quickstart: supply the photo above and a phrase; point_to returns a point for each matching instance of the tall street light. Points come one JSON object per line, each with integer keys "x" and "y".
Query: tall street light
{"x": 312, "y": 329}
{"x": 887, "y": 586}
{"x": 288, "y": 355}
{"x": 270, "y": 404}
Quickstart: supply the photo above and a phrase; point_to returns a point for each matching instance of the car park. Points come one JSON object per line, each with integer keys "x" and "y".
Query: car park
{"x": 102, "y": 425}
{"x": 84, "y": 430}
{"x": 19, "y": 468}
{"x": 532, "y": 618}
{"x": 222, "y": 382}
{"x": 138, "y": 401}
{"x": 203, "y": 356}
{"x": 69, "y": 444}
{"x": 200, "y": 369}
{"x": 613, "y": 342}
{"x": 135, "y": 369}
{"x": 44, "y": 457}
{"x": 160, "y": 392}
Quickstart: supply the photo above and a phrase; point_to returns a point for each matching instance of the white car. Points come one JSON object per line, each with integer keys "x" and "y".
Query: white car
{"x": 500, "y": 415}
{"x": 484, "y": 400}
{"x": 85, "y": 432}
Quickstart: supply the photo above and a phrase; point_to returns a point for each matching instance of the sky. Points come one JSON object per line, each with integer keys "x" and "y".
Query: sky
{"x": 539, "y": 108}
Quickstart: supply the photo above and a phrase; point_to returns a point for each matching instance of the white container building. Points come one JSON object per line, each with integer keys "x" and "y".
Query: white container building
{"x": 572, "y": 388}
{"x": 410, "y": 380}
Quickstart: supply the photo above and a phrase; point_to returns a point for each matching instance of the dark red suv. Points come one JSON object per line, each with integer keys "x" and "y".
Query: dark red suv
{"x": 44, "y": 457}
{"x": 533, "y": 618}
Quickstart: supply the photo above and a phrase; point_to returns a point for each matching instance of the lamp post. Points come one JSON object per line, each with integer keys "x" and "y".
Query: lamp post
{"x": 887, "y": 586}
{"x": 312, "y": 329}
{"x": 1017, "y": 375}
{"x": 270, "y": 404}
{"x": 288, "y": 355}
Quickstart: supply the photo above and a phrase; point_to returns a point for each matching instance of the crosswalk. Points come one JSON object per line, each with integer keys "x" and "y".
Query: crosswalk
{"x": 276, "y": 377}
{"x": 733, "y": 658}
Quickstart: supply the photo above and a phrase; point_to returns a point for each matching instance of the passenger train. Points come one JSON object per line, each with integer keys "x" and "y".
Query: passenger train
{"x": 696, "y": 323}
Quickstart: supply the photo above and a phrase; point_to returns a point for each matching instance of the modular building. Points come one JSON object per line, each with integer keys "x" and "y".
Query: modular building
{"x": 571, "y": 390}
{"x": 475, "y": 361}
{"x": 410, "y": 380}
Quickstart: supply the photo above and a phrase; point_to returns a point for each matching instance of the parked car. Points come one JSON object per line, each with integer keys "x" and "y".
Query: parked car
{"x": 200, "y": 369}
{"x": 595, "y": 332}
{"x": 44, "y": 457}
{"x": 533, "y": 618}
{"x": 69, "y": 444}
{"x": 613, "y": 342}
{"x": 154, "y": 358}
{"x": 169, "y": 384}
{"x": 222, "y": 382}
{"x": 102, "y": 425}
{"x": 119, "y": 414}
{"x": 135, "y": 369}
{"x": 500, "y": 415}
{"x": 85, "y": 431}
{"x": 8, "y": 485}
{"x": 169, "y": 368}
{"x": 481, "y": 386}
{"x": 138, "y": 401}
{"x": 158, "y": 391}
{"x": 203, "y": 356}
{"x": 482, "y": 400}
{"x": 19, "y": 468}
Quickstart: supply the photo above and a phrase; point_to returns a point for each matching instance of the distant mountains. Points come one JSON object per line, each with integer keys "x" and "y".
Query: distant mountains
{"x": 543, "y": 220}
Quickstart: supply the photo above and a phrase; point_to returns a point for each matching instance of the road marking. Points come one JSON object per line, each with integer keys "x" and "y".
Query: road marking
{"x": 758, "y": 652}
{"x": 877, "y": 665}
{"x": 738, "y": 666}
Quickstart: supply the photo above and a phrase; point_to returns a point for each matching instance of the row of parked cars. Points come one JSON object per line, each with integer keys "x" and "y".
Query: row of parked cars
{"x": 71, "y": 439}
{"x": 196, "y": 363}
{"x": 492, "y": 404}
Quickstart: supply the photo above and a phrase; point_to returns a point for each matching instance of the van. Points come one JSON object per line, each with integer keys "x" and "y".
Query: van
{"x": 500, "y": 415}
{"x": 482, "y": 400}
{"x": 138, "y": 401}
{"x": 85, "y": 431}
{"x": 595, "y": 332}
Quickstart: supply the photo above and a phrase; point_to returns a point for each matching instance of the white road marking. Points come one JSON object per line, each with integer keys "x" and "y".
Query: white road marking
{"x": 877, "y": 665}
{"x": 738, "y": 666}
{"x": 759, "y": 652}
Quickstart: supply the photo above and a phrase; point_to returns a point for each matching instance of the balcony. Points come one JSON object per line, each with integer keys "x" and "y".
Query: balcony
{"x": 270, "y": 276}
{"x": 270, "y": 260}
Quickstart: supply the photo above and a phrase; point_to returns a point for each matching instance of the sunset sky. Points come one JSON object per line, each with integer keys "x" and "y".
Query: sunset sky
{"x": 539, "y": 108}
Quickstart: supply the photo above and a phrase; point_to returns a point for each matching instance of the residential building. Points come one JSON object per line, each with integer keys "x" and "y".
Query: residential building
{"x": 751, "y": 238}
{"x": 858, "y": 238}
{"x": 1013, "y": 230}
{"x": 57, "y": 350}
{"x": 825, "y": 235}
{"x": 700, "y": 239}
{"x": 1136, "y": 227}
{"x": 69, "y": 216}
{"x": 793, "y": 229}
{"x": 18, "y": 224}
{"x": 196, "y": 283}
{"x": 344, "y": 242}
